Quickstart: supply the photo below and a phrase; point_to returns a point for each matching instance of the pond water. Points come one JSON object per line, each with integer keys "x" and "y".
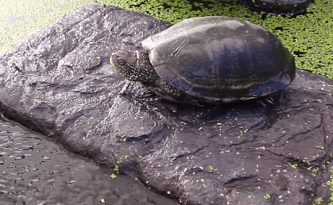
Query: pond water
{"x": 36, "y": 170}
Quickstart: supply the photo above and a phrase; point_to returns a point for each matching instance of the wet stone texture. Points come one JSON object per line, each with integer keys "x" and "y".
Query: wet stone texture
{"x": 59, "y": 82}
{"x": 35, "y": 170}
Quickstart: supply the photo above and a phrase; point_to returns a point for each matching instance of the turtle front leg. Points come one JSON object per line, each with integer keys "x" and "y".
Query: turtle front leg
{"x": 168, "y": 92}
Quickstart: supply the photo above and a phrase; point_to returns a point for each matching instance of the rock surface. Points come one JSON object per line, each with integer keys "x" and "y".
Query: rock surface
{"x": 59, "y": 82}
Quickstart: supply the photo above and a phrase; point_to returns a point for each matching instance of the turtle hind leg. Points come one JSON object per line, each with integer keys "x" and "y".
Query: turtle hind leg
{"x": 276, "y": 99}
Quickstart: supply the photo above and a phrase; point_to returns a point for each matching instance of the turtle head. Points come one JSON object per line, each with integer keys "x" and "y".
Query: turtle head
{"x": 134, "y": 65}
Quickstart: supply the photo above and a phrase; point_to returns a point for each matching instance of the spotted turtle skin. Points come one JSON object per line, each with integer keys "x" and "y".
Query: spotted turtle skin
{"x": 220, "y": 59}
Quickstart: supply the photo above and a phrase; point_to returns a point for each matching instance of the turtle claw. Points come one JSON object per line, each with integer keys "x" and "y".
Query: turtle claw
{"x": 270, "y": 100}
{"x": 261, "y": 102}
{"x": 122, "y": 91}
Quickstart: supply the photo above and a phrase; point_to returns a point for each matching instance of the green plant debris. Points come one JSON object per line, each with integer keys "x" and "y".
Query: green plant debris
{"x": 330, "y": 184}
{"x": 202, "y": 180}
{"x": 234, "y": 175}
{"x": 241, "y": 133}
{"x": 122, "y": 159}
{"x": 103, "y": 200}
{"x": 249, "y": 196}
{"x": 283, "y": 131}
{"x": 211, "y": 167}
{"x": 322, "y": 147}
{"x": 293, "y": 166}
{"x": 113, "y": 175}
{"x": 315, "y": 169}
{"x": 267, "y": 196}
{"x": 319, "y": 200}
{"x": 121, "y": 138}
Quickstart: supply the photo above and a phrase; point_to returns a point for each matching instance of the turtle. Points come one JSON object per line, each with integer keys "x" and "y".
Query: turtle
{"x": 209, "y": 60}
{"x": 278, "y": 6}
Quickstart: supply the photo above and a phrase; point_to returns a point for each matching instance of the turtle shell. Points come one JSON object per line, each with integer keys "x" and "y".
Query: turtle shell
{"x": 278, "y": 7}
{"x": 221, "y": 58}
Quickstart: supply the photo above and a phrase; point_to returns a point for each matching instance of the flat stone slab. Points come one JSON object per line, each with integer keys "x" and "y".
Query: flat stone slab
{"x": 59, "y": 82}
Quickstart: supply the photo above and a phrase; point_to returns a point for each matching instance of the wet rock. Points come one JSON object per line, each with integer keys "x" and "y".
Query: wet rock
{"x": 59, "y": 82}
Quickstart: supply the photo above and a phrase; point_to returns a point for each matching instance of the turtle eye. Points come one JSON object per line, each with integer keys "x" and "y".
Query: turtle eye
{"x": 121, "y": 62}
